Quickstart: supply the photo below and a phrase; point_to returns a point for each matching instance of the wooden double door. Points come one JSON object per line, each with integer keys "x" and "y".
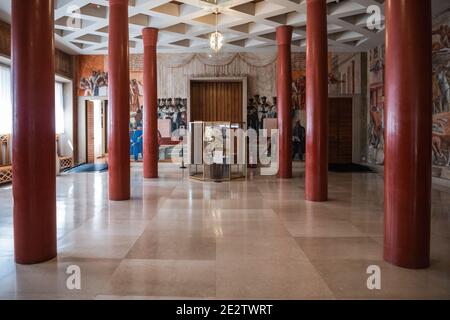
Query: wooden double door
{"x": 216, "y": 101}
{"x": 340, "y": 134}
{"x": 91, "y": 138}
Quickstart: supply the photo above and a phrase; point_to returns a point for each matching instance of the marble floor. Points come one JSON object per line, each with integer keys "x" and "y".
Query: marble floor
{"x": 255, "y": 239}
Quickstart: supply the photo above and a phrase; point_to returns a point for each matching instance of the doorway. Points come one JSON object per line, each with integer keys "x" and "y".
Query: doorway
{"x": 96, "y": 131}
{"x": 340, "y": 134}
{"x": 216, "y": 101}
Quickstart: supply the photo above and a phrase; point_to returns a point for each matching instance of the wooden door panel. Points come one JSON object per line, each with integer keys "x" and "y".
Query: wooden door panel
{"x": 216, "y": 101}
{"x": 90, "y": 143}
{"x": 340, "y": 130}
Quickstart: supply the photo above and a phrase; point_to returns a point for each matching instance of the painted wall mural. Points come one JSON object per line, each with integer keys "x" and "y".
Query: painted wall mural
{"x": 174, "y": 70}
{"x": 344, "y": 76}
{"x": 441, "y": 100}
{"x": 376, "y": 105}
{"x": 175, "y": 110}
{"x": 441, "y": 96}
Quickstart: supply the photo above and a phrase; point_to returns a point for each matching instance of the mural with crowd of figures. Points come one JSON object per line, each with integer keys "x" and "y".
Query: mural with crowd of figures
{"x": 441, "y": 96}
{"x": 376, "y": 105}
{"x": 441, "y": 100}
{"x": 175, "y": 70}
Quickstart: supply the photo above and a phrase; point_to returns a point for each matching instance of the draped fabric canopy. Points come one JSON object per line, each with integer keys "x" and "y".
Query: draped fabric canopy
{"x": 221, "y": 59}
{"x": 174, "y": 70}
{"x": 6, "y": 109}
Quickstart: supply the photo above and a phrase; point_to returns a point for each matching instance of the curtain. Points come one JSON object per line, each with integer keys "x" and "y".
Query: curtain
{"x": 59, "y": 107}
{"x": 98, "y": 134}
{"x": 175, "y": 69}
{"x": 5, "y": 101}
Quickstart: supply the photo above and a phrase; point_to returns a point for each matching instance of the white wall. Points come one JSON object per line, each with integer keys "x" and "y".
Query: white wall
{"x": 66, "y": 143}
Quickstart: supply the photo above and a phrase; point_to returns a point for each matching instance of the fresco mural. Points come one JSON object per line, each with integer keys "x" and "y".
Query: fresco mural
{"x": 298, "y": 81}
{"x": 260, "y": 108}
{"x": 344, "y": 77}
{"x": 376, "y": 106}
{"x": 441, "y": 96}
{"x": 93, "y": 76}
{"x": 175, "y": 110}
{"x": 441, "y": 100}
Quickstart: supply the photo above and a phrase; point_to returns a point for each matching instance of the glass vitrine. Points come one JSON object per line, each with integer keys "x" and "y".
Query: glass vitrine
{"x": 217, "y": 151}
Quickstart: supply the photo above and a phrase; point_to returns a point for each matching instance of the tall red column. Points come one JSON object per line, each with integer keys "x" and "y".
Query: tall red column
{"x": 316, "y": 184}
{"x": 119, "y": 91}
{"x": 284, "y": 98}
{"x": 150, "y": 38}
{"x": 408, "y": 126}
{"x": 34, "y": 150}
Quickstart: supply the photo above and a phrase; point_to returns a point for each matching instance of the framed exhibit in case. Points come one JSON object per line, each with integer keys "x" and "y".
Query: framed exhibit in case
{"x": 217, "y": 151}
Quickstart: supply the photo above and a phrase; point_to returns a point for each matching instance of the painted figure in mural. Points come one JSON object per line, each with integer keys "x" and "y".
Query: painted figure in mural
{"x": 299, "y": 93}
{"x": 376, "y": 118}
{"x": 184, "y": 109}
{"x": 333, "y": 79}
{"x": 298, "y": 141}
{"x": 164, "y": 109}
{"x": 439, "y": 157}
{"x": 102, "y": 83}
{"x": 257, "y": 100}
{"x": 135, "y": 93}
{"x": 160, "y": 115}
{"x": 441, "y": 141}
{"x": 170, "y": 113}
{"x": 444, "y": 87}
{"x": 181, "y": 117}
{"x": 94, "y": 79}
{"x": 176, "y": 112}
{"x": 444, "y": 38}
{"x": 138, "y": 117}
{"x": 272, "y": 114}
{"x": 252, "y": 115}
{"x": 86, "y": 86}
{"x": 263, "y": 109}
{"x": 136, "y": 142}
{"x": 93, "y": 85}
{"x": 437, "y": 108}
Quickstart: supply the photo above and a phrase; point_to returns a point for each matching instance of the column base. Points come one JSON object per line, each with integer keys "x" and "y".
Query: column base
{"x": 43, "y": 259}
{"x": 401, "y": 258}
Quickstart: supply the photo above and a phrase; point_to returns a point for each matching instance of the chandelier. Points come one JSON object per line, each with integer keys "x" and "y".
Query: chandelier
{"x": 216, "y": 39}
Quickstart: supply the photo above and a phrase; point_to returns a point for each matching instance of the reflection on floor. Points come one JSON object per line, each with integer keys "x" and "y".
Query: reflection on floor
{"x": 245, "y": 239}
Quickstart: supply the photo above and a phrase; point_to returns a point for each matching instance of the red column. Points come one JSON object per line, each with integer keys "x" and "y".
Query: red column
{"x": 150, "y": 37}
{"x": 284, "y": 101}
{"x": 119, "y": 91}
{"x": 316, "y": 184}
{"x": 34, "y": 150}
{"x": 408, "y": 126}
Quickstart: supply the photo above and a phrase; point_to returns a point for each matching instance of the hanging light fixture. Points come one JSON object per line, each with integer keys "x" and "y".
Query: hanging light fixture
{"x": 216, "y": 39}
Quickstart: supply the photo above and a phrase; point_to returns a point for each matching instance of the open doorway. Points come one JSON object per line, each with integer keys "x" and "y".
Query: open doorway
{"x": 96, "y": 131}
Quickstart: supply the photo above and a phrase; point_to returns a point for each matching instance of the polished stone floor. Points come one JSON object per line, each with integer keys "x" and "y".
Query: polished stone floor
{"x": 254, "y": 239}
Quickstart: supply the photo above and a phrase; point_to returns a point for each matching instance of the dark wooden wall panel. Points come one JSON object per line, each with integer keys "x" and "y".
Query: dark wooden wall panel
{"x": 5, "y": 39}
{"x": 63, "y": 62}
{"x": 216, "y": 101}
{"x": 340, "y": 136}
{"x": 90, "y": 138}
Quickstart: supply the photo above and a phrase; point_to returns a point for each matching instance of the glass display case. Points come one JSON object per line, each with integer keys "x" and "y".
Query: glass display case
{"x": 217, "y": 151}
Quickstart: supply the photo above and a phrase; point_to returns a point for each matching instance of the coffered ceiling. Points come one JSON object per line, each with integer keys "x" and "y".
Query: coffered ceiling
{"x": 185, "y": 25}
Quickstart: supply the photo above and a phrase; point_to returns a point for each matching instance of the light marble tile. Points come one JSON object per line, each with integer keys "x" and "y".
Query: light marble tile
{"x": 175, "y": 278}
{"x": 183, "y": 239}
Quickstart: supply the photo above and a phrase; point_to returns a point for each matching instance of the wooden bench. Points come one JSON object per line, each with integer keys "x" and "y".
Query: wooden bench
{"x": 5, "y": 174}
{"x": 5, "y": 161}
{"x": 66, "y": 162}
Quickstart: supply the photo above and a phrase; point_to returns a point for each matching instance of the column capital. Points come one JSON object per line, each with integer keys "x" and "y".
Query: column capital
{"x": 284, "y": 35}
{"x": 150, "y": 36}
{"x": 120, "y": 2}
